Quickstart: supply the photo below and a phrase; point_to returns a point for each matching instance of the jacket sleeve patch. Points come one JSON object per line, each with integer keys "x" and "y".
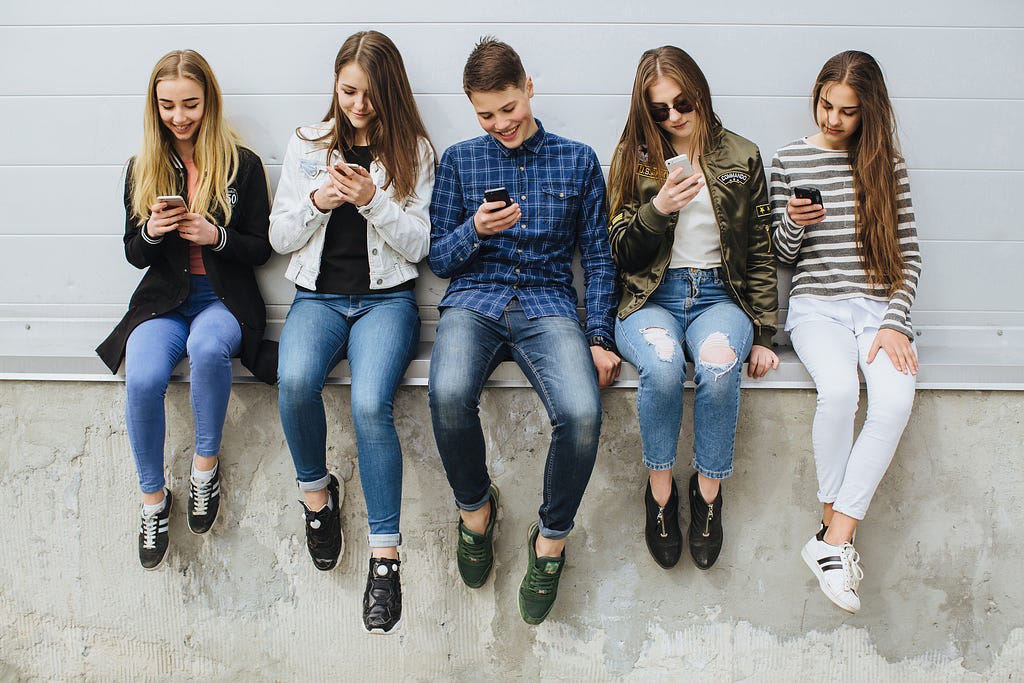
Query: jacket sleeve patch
{"x": 763, "y": 210}
{"x": 648, "y": 171}
{"x": 731, "y": 177}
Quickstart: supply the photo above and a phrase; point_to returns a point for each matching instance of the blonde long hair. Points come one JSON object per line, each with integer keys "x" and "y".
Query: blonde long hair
{"x": 643, "y": 133}
{"x": 216, "y": 148}
{"x": 395, "y": 133}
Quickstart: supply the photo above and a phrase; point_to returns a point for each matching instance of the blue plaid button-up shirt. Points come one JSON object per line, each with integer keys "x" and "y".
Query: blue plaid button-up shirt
{"x": 560, "y": 189}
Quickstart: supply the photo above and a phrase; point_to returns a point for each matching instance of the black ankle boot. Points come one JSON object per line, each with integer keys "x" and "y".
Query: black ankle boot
{"x": 664, "y": 539}
{"x": 705, "y": 530}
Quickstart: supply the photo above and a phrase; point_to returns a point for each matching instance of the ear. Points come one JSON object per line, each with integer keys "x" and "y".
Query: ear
{"x": 529, "y": 87}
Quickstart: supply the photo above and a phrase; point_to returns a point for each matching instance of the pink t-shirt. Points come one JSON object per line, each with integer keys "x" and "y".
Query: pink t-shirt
{"x": 195, "y": 252}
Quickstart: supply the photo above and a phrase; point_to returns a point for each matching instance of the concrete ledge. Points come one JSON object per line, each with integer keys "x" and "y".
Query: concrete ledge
{"x": 941, "y": 549}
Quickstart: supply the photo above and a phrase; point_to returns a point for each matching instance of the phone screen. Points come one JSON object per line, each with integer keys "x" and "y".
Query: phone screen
{"x": 498, "y": 194}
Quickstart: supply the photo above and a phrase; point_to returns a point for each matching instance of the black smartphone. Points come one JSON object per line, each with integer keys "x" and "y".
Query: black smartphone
{"x": 498, "y": 194}
{"x": 811, "y": 193}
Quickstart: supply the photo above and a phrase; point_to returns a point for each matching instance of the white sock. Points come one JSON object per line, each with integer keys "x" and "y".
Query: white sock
{"x": 202, "y": 476}
{"x": 150, "y": 510}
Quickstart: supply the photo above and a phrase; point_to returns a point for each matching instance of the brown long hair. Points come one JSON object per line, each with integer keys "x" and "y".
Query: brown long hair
{"x": 216, "y": 149}
{"x": 394, "y": 134}
{"x": 641, "y": 131}
{"x": 874, "y": 152}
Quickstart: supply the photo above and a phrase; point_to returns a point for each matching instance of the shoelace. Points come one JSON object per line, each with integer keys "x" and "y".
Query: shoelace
{"x": 201, "y": 494}
{"x": 475, "y": 552}
{"x": 540, "y": 582}
{"x": 852, "y": 573}
{"x": 150, "y": 524}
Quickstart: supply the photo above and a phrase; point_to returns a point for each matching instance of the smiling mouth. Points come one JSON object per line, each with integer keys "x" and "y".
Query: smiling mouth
{"x": 508, "y": 134}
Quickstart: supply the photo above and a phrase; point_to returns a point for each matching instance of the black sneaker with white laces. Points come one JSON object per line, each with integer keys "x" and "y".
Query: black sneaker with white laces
{"x": 153, "y": 536}
{"x": 382, "y": 601}
{"x": 323, "y": 530}
{"x": 203, "y": 503}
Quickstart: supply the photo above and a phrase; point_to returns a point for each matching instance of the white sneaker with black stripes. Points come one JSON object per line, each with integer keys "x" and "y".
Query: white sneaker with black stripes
{"x": 837, "y": 569}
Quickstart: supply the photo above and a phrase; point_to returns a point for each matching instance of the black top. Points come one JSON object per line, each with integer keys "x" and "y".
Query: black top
{"x": 231, "y": 271}
{"x": 344, "y": 264}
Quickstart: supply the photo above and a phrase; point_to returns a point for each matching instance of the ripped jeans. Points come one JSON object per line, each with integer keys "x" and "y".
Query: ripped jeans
{"x": 689, "y": 313}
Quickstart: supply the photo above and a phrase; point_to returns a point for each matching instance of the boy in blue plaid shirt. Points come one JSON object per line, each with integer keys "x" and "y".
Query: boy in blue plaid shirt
{"x": 511, "y": 296}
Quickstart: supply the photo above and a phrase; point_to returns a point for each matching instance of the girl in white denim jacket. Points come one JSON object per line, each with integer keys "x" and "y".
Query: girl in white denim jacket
{"x": 352, "y": 209}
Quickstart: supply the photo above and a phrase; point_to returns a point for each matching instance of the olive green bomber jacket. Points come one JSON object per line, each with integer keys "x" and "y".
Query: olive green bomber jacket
{"x": 641, "y": 237}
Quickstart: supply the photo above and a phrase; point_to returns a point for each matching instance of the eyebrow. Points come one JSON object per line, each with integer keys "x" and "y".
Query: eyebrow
{"x": 479, "y": 112}
{"x": 828, "y": 102}
{"x": 187, "y": 99}
{"x": 677, "y": 98}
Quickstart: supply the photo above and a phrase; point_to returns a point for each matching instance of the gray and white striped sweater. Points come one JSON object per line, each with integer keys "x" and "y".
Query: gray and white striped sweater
{"x": 828, "y": 264}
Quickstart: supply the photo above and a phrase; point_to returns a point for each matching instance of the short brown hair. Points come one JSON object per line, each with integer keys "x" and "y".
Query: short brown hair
{"x": 492, "y": 66}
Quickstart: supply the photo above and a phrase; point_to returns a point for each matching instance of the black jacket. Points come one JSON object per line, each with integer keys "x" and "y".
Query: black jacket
{"x": 231, "y": 270}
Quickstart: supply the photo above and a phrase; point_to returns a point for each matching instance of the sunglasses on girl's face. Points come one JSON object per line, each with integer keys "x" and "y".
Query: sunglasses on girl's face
{"x": 660, "y": 114}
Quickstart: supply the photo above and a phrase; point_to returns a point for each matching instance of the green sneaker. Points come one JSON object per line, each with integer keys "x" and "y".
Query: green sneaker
{"x": 475, "y": 552}
{"x": 539, "y": 588}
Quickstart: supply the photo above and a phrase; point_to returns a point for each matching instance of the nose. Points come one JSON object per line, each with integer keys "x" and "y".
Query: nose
{"x": 833, "y": 119}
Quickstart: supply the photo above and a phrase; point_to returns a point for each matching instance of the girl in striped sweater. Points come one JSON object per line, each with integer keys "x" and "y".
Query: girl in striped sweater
{"x": 857, "y": 266}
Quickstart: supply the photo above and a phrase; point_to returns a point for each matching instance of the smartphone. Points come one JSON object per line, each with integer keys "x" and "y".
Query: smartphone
{"x": 682, "y": 162}
{"x": 346, "y": 163}
{"x": 811, "y": 193}
{"x": 498, "y": 194}
{"x": 173, "y": 201}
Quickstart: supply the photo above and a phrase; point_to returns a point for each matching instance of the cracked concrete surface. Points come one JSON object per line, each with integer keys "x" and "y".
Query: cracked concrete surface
{"x": 941, "y": 548}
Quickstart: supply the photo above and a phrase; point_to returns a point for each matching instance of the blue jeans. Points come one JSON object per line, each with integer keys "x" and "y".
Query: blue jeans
{"x": 686, "y": 311}
{"x": 554, "y": 356}
{"x": 206, "y": 330}
{"x": 378, "y": 333}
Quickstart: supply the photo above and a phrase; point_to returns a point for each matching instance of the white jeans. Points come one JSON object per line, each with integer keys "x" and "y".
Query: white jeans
{"x": 849, "y": 472}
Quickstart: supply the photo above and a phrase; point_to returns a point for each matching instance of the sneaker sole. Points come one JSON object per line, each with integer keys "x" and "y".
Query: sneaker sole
{"x": 382, "y": 632}
{"x": 812, "y": 564}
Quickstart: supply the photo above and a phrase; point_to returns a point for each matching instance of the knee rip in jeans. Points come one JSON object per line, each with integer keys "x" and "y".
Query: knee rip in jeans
{"x": 663, "y": 344}
{"x": 716, "y": 355}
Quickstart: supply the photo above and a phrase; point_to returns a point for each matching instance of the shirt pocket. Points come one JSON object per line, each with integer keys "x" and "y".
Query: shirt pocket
{"x": 312, "y": 170}
{"x": 559, "y": 205}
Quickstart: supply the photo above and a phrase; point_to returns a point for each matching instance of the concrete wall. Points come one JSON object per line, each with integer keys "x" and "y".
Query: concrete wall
{"x": 942, "y": 551}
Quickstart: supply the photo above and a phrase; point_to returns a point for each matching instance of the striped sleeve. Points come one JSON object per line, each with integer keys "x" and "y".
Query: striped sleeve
{"x": 786, "y": 235}
{"x": 897, "y": 315}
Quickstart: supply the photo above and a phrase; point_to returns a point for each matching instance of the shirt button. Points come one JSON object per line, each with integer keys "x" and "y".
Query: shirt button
{"x": 515, "y": 286}
{"x": 561, "y": 194}
{"x": 476, "y": 244}
{"x": 517, "y": 270}
{"x": 522, "y": 168}
{"x": 522, "y": 225}
{"x": 519, "y": 251}
{"x": 374, "y": 252}
{"x": 380, "y": 282}
{"x": 523, "y": 197}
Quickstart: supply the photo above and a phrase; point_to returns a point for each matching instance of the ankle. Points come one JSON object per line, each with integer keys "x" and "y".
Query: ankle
{"x": 390, "y": 553}
{"x": 204, "y": 463}
{"x": 477, "y": 520}
{"x": 660, "y": 482}
{"x": 709, "y": 488}
{"x": 549, "y": 547}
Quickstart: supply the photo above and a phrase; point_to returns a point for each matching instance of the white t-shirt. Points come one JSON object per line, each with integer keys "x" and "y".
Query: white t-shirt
{"x": 696, "y": 243}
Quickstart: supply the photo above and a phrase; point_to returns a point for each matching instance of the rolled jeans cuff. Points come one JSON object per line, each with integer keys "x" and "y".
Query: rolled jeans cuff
{"x": 553, "y": 534}
{"x": 384, "y": 540}
{"x": 317, "y": 485}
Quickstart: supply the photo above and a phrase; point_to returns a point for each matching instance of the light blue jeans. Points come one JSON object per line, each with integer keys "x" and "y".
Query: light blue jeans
{"x": 553, "y": 354}
{"x": 203, "y": 328}
{"x": 378, "y": 333}
{"x": 689, "y": 309}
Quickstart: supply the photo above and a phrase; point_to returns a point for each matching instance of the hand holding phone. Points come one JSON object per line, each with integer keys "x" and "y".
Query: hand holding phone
{"x": 812, "y": 193}
{"x": 809, "y": 213}
{"x": 172, "y": 201}
{"x": 681, "y": 161}
{"x": 494, "y": 219}
{"x": 498, "y": 194}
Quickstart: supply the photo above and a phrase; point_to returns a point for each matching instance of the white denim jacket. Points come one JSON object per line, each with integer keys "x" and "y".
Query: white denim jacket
{"x": 397, "y": 233}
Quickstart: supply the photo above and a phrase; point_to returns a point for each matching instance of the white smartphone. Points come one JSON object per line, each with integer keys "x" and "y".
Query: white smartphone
{"x": 172, "y": 201}
{"x": 680, "y": 162}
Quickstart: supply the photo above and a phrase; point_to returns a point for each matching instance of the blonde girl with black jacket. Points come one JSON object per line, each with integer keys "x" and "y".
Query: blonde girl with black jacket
{"x": 199, "y": 295}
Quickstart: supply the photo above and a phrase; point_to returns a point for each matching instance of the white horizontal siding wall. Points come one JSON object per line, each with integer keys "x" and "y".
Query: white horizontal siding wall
{"x": 71, "y": 106}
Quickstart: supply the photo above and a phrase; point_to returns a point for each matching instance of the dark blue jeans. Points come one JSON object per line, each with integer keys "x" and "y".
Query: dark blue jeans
{"x": 555, "y": 357}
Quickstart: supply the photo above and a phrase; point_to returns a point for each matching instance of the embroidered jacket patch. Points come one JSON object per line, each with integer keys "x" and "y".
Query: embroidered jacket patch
{"x": 649, "y": 171}
{"x": 731, "y": 177}
{"x": 763, "y": 210}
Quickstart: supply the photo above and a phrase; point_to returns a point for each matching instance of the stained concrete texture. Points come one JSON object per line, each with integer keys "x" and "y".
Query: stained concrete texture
{"x": 942, "y": 553}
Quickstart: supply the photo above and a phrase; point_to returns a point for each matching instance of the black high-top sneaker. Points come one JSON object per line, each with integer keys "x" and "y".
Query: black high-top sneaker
{"x": 382, "y": 600}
